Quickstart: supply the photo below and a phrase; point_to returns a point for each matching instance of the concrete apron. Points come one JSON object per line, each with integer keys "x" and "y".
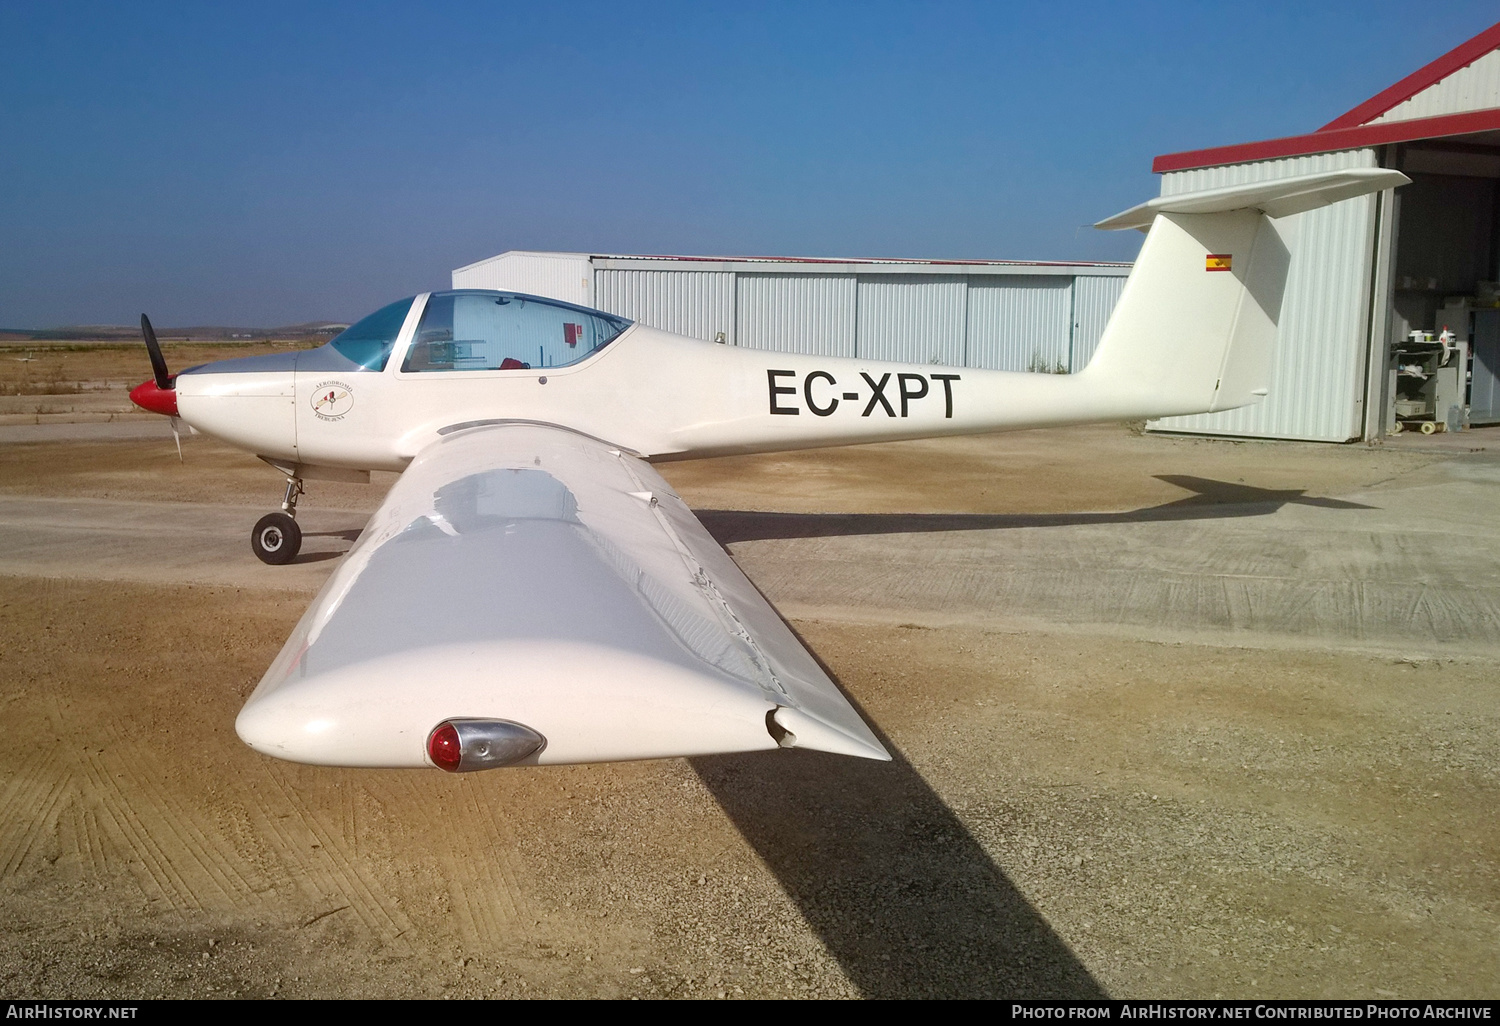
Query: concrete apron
{"x": 1410, "y": 566}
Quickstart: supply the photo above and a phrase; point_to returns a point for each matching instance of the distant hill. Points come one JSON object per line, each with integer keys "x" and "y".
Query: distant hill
{"x": 199, "y": 332}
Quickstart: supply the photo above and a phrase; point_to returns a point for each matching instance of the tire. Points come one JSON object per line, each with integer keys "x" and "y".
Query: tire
{"x": 1428, "y": 427}
{"x": 276, "y": 539}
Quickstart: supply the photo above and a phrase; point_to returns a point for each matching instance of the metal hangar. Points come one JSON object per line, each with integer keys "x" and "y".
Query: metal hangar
{"x": 1368, "y": 273}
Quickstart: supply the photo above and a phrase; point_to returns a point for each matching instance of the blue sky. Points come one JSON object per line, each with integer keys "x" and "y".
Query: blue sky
{"x": 263, "y": 164}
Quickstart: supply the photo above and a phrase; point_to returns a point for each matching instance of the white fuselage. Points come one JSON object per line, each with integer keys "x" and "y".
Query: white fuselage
{"x": 649, "y": 392}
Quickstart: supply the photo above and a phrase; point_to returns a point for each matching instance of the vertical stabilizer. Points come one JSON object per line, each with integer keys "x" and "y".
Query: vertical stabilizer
{"x": 1195, "y": 328}
{"x": 1196, "y": 324}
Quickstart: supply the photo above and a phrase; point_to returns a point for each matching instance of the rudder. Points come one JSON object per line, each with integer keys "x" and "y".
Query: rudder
{"x": 1195, "y": 325}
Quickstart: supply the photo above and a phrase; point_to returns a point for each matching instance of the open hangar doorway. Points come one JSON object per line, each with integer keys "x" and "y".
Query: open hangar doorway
{"x": 1440, "y": 238}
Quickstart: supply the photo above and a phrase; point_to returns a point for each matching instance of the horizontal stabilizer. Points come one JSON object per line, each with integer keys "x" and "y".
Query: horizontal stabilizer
{"x": 1278, "y": 198}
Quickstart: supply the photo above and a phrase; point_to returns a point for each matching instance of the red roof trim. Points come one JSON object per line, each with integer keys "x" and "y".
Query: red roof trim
{"x": 1333, "y": 139}
{"x": 1460, "y": 56}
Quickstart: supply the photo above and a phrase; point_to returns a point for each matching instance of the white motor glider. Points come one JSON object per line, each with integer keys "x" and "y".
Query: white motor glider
{"x": 532, "y": 591}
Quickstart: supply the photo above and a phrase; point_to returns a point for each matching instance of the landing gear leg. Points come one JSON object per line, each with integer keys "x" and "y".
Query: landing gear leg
{"x": 277, "y": 538}
{"x": 293, "y": 493}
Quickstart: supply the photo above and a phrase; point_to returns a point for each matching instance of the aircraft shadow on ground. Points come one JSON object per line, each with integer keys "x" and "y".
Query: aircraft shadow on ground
{"x": 316, "y": 557}
{"x": 351, "y": 536}
{"x": 895, "y": 885}
{"x": 1212, "y": 500}
{"x": 893, "y": 882}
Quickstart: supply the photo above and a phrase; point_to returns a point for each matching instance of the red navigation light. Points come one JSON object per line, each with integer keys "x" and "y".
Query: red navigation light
{"x": 158, "y": 400}
{"x": 444, "y": 749}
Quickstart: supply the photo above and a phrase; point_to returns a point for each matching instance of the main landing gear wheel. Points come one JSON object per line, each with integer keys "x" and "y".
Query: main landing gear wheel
{"x": 276, "y": 539}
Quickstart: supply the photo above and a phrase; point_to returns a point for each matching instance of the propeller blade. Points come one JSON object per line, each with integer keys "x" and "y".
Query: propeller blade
{"x": 158, "y": 362}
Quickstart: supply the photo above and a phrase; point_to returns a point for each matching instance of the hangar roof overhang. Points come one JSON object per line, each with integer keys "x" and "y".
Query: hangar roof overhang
{"x": 819, "y": 265}
{"x": 1358, "y": 129}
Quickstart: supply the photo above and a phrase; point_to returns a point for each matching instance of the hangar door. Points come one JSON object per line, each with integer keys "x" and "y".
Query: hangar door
{"x": 912, "y": 318}
{"x": 803, "y": 313}
{"x": 1323, "y": 337}
{"x": 1447, "y": 263}
{"x": 1018, "y": 323}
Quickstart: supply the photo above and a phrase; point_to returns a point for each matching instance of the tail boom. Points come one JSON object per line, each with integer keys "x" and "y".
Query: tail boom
{"x": 1194, "y": 331}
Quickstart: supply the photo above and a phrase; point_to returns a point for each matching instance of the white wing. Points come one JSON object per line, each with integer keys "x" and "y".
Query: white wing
{"x": 530, "y": 574}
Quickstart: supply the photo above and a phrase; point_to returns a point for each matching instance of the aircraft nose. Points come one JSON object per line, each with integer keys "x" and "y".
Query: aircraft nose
{"x": 148, "y": 396}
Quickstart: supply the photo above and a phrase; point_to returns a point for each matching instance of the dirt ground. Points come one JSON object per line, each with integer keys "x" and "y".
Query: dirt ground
{"x": 1070, "y": 813}
{"x": 64, "y": 368}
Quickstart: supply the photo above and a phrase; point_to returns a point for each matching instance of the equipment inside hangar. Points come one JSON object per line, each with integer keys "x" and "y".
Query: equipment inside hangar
{"x": 1446, "y": 283}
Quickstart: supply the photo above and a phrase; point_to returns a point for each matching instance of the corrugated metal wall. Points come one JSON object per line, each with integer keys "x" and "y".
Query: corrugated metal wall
{"x": 797, "y": 313}
{"x": 565, "y": 276}
{"x": 1018, "y": 323}
{"x": 1004, "y": 322}
{"x": 1475, "y": 87}
{"x": 913, "y": 318}
{"x": 1317, "y": 381}
{"x": 699, "y": 304}
{"x": 1094, "y": 299}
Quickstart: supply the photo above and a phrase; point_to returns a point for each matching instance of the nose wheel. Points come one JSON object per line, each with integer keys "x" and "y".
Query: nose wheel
{"x": 276, "y": 538}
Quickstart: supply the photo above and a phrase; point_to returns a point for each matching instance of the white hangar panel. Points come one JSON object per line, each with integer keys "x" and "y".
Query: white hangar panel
{"x": 699, "y": 304}
{"x": 793, "y": 313}
{"x": 1475, "y": 87}
{"x": 1094, "y": 299}
{"x": 1317, "y": 379}
{"x": 913, "y": 318}
{"x": 1019, "y": 323}
{"x": 565, "y": 276}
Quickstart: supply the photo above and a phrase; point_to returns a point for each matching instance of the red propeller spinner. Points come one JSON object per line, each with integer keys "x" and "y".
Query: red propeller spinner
{"x": 157, "y": 395}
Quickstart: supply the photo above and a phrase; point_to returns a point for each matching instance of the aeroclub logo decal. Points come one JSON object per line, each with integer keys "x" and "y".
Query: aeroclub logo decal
{"x": 332, "y": 400}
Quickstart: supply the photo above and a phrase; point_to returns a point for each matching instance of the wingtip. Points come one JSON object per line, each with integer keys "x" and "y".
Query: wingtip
{"x": 810, "y": 732}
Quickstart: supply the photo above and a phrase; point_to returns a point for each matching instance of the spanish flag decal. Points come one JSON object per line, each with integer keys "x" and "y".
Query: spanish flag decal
{"x": 1218, "y": 262}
